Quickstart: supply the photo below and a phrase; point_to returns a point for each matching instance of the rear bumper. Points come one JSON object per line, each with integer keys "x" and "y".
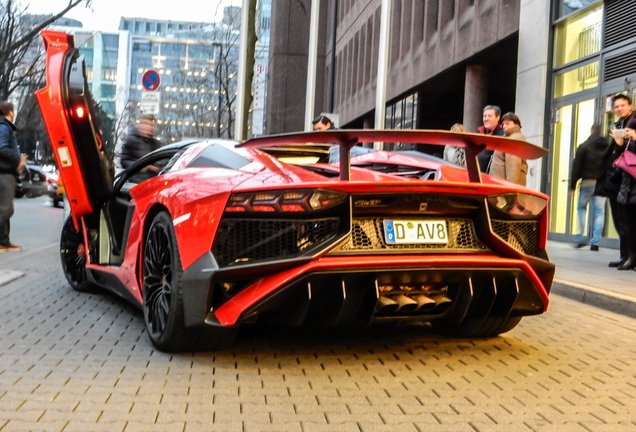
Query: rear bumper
{"x": 354, "y": 291}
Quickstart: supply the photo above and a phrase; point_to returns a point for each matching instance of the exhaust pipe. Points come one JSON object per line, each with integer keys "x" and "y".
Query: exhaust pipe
{"x": 441, "y": 299}
{"x": 406, "y": 304}
{"x": 425, "y": 303}
{"x": 386, "y": 304}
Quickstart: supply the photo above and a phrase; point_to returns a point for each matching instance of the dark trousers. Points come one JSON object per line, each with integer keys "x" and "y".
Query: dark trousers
{"x": 7, "y": 192}
{"x": 621, "y": 222}
{"x": 630, "y": 210}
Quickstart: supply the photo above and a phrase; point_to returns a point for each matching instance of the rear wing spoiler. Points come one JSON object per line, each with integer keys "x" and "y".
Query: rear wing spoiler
{"x": 346, "y": 139}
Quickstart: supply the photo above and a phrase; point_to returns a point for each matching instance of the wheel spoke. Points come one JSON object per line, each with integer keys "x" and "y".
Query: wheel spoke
{"x": 157, "y": 283}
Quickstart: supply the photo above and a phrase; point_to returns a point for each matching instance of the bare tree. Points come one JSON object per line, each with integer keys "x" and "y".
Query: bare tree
{"x": 22, "y": 71}
{"x": 198, "y": 98}
{"x": 18, "y": 32}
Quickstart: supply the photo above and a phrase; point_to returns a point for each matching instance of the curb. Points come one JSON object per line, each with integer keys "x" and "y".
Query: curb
{"x": 600, "y": 298}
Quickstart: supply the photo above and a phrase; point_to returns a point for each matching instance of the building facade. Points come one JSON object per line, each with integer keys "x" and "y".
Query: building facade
{"x": 555, "y": 63}
{"x": 198, "y": 68}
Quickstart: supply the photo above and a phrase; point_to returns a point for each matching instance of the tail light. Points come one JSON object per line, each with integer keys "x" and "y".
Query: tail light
{"x": 80, "y": 112}
{"x": 284, "y": 201}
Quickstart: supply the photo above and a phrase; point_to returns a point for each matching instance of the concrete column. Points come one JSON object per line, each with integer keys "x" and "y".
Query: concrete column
{"x": 475, "y": 95}
{"x": 532, "y": 85}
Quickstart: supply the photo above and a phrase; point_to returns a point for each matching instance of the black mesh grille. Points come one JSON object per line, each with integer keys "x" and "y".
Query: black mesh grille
{"x": 367, "y": 235}
{"x": 244, "y": 241}
{"x": 617, "y": 14}
{"x": 521, "y": 235}
{"x": 619, "y": 66}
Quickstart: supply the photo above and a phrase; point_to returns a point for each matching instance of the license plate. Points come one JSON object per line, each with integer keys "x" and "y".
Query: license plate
{"x": 402, "y": 231}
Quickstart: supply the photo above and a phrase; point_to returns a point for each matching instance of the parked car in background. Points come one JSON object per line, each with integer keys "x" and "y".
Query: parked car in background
{"x": 53, "y": 191}
{"x": 31, "y": 182}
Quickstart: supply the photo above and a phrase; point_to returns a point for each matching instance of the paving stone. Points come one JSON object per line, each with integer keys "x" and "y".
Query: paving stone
{"x": 87, "y": 362}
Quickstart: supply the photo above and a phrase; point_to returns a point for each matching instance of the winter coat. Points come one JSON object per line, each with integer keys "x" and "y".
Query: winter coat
{"x": 588, "y": 159}
{"x": 135, "y": 147}
{"x": 508, "y": 166}
{"x": 9, "y": 148}
{"x": 485, "y": 157}
{"x": 610, "y": 179}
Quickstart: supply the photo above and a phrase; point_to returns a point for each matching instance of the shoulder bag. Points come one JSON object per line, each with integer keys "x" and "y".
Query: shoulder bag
{"x": 627, "y": 162}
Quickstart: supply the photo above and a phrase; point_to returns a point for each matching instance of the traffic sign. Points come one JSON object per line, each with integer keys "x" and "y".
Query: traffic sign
{"x": 150, "y": 102}
{"x": 151, "y": 80}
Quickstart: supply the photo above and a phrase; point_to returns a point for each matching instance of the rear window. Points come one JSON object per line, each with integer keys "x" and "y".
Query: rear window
{"x": 216, "y": 156}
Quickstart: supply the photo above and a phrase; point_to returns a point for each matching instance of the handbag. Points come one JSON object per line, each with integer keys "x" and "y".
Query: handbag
{"x": 627, "y": 162}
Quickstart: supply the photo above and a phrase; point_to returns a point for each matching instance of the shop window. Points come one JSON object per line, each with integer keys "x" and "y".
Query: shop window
{"x": 576, "y": 80}
{"x": 578, "y": 37}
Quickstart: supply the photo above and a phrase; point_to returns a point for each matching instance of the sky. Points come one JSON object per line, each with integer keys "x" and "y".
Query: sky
{"x": 105, "y": 14}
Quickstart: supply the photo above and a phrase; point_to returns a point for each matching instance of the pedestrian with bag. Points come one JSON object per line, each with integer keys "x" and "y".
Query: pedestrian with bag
{"x": 609, "y": 183}
{"x": 627, "y": 192}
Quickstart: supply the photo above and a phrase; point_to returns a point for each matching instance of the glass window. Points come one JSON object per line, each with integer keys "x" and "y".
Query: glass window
{"x": 576, "y": 80}
{"x": 141, "y": 47}
{"x": 88, "y": 56}
{"x": 567, "y": 7}
{"x": 578, "y": 36}
{"x": 108, "y": 91}
{"x": 110, "y": 41}
{"x": 173, "y": 49}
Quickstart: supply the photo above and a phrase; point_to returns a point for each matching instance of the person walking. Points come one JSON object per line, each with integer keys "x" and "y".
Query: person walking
{"x": 609, "y": 182}
{"x": 11, "y": 162}
{"x": 139, "y": 143}
{"x": 587, "y": 167}
{"x": 507, "y": 166}
{"x": 490, "y": 118}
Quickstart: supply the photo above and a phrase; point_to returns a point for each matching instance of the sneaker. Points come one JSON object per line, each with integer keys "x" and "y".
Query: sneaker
{"x": 10, "y": 247}
{"x": 594, "y": 248}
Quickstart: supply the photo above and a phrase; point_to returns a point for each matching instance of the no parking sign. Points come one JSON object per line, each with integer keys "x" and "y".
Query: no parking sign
{"x": 151, "y": 80}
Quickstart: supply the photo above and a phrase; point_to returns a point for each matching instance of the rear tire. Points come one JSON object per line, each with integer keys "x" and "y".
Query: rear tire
{"x": 163, "y": 295}
{"x": 73, "y": 255}
{"x": 478, "y": 327}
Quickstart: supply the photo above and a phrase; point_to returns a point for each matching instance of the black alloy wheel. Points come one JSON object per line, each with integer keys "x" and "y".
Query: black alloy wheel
{"x": 73, "y": 255}
{"x": 163, "y": 292}
{"x": 162, "y": 304}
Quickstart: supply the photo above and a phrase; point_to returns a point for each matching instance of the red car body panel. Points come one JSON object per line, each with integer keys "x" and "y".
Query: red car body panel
{"x": 55, "y": 118}
{"x": 250, "y": 237}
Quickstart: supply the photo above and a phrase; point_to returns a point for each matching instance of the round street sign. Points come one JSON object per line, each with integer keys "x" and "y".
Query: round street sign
{"x": 151, "y": 80}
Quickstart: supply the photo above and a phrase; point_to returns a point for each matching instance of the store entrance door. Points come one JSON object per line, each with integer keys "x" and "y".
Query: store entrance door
{"x": 571, "y": 128}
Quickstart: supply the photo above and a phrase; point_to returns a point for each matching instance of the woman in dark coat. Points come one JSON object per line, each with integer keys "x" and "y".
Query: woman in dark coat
{"x": 627, "y": 195}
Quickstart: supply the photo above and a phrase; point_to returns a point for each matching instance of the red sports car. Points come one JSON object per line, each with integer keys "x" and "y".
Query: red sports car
{"x": 269, "y": 230}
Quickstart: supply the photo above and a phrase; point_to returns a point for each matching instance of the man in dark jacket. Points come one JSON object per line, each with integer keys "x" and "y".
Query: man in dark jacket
{"x": 610, "y": 179}
{"x": 11, "y": 162}
{"x": 491, "y": 126}
{"x": 588, "y": 165}
{"x": 139, "y": 143}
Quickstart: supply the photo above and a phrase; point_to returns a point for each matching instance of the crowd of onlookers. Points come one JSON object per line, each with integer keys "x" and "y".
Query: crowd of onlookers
{"x": 604, "y": 169}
